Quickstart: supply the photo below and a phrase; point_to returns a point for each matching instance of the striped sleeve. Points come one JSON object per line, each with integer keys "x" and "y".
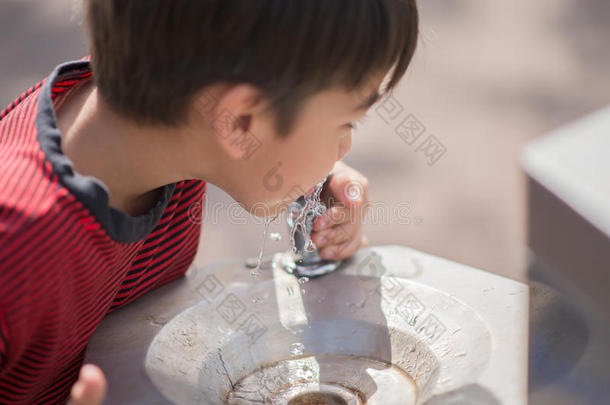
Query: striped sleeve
{"x": 3, "y": 341}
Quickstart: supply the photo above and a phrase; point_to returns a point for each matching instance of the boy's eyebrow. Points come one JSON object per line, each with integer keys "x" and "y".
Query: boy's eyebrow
{"x": 369, "y": 101}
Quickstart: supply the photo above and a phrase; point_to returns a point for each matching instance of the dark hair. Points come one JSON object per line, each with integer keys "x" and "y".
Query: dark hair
{"x": 150, "y": 57}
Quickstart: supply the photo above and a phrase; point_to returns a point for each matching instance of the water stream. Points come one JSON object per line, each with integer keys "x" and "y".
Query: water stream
{"x": 299, "y": 221}
{"x": 312, "y": 204}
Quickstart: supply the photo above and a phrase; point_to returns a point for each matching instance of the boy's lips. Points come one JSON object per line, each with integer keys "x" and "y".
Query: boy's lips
{"x": 312, "y": 189}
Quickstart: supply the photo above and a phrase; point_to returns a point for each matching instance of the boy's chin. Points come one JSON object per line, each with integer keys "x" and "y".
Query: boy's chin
{"x": 267, "y": 210}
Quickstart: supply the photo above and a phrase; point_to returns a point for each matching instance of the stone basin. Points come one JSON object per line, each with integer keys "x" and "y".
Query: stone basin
{"x": 391, "y": 326}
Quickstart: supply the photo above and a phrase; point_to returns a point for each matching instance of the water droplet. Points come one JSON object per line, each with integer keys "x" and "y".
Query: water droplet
{"x": 320, "y": 210}
{"x": 275, "y": 236}
{"x": 256, "y": 271}
{"x": 257, "y": 300}
{"x": 303, "y": 280}
{"x": 297, "y": 349}
{"x": 309, "y": 246}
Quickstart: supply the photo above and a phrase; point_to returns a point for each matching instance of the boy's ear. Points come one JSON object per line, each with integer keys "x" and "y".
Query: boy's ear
{"x": 230, "y": 117}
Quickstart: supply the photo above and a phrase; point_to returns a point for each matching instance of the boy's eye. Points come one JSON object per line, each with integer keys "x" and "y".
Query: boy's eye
{"x": 357, "y": 123}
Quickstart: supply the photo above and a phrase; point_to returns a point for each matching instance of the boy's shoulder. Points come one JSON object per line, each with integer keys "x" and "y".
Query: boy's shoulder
{"x": 38, "y": 183}
{"x": 25, "y": 176}
{"x": 32, "y": 196}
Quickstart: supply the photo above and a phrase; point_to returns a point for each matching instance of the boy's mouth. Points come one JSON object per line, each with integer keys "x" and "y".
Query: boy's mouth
{"x": 325, "y": 180}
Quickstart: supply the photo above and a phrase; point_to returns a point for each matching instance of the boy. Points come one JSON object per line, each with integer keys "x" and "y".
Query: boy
{"x": 103, "y": 161}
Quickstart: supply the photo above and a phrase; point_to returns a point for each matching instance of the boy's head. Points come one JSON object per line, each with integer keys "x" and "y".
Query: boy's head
{"x": 276, "y": 81}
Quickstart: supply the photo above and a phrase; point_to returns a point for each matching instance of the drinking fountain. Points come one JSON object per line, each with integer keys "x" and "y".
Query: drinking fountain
{"x": 390, "y": 325}
{"x": 302, "y": 262}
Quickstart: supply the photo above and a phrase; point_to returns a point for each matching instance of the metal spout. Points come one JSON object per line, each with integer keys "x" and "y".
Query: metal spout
{"x": 305, "y": 263}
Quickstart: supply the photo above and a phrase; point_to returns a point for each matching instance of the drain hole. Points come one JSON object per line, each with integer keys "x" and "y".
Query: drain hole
{"x": 317, "y": 398}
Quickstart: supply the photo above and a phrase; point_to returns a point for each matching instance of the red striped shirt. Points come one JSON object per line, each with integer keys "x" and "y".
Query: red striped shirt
{"x": 66, "y": 257}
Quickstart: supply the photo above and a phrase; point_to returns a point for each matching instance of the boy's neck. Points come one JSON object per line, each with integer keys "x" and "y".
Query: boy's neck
{"x": 133, "y": 162}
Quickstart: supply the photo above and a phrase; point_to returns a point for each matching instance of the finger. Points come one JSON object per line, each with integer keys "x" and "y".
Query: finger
{"x": 334, "y": 235}
{"x": 90, "y": 388}
{"x": 342, "y": 250}
{"x": 348, "y": 185}
{"x": 338, "y": 215}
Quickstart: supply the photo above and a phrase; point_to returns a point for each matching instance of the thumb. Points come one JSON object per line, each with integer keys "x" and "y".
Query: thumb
{"x": 90, "y": 388}
{"x": 346, "y": 189}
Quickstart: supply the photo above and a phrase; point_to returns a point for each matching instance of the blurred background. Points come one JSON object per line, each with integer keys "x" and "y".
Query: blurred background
{"x": 487, "y": 78}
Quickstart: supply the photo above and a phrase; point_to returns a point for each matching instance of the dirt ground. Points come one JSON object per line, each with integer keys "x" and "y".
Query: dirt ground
{"x": 487, "y": 78}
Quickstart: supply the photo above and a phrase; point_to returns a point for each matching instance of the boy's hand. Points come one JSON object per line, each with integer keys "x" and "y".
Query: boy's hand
{"x": 90, "y": 388}
{"x": 338, "y": 233}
